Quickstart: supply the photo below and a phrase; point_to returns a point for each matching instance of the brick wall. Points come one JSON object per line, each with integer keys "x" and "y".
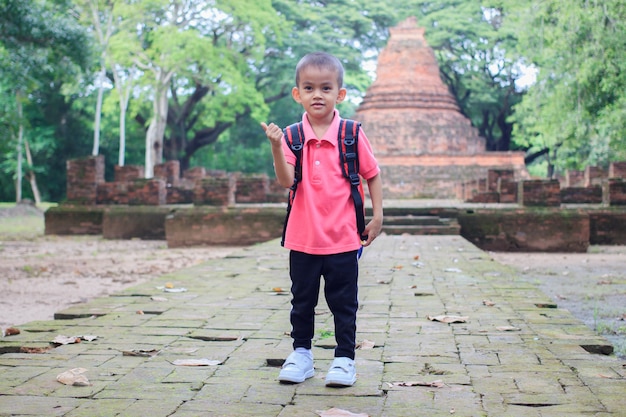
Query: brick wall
{"x": 617, "y": 170}
{"x": 83, "y": 177}
{"x": 437, "y": 176}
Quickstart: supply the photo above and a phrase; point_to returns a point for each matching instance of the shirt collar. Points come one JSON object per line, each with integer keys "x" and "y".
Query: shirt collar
{"x": 331, "y": 134}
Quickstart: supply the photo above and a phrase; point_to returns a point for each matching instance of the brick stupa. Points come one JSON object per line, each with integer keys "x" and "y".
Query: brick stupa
{"x": 425, "y": 146}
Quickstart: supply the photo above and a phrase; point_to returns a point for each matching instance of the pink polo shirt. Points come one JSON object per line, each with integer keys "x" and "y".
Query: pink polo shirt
{"x": 322, "y": 219}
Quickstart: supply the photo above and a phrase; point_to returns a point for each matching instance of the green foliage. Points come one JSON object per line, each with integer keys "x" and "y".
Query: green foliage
{"x": 577, "y": 108}
{"x": 232, "y": 64}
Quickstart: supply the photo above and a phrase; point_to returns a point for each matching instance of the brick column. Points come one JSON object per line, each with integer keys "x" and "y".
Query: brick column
{"x": 83, "y": 177}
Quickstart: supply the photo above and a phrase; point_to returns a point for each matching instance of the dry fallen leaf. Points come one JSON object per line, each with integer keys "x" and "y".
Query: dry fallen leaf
{"x": 338, "y": 412}
{"x": 65, "y": 340}
{"x": 74, "y": 377}
{"x": 489, "y": 303}
{"x": 35, "y": 350}
{"x": 508, "y": 329}
{"x": 365, "y": 345}
{"x": 142, "y": 353}
{"x": 195, "y": 362}
{"x": 416, "y": 257}
{"x": 68, "y": 340}
{"x": 11, "y": 331}
{"x": 434, "y": 384}
{"x": 448, "y": 319}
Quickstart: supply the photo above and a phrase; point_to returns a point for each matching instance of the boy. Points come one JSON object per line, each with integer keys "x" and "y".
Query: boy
{"x": 322, "y": 234}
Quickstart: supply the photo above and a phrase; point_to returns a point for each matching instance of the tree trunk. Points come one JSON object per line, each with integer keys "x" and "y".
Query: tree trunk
{"x": 156, "y": 129}
{"x": 20, "y": 140}
{"x": 96, "y": 123}
{"x": 123, "y": 90}
{"x": 31, "y": 174}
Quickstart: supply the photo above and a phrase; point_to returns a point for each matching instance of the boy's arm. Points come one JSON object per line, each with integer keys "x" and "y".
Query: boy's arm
{"x": 375, "y": 226}
{"x": 284, "y": 171}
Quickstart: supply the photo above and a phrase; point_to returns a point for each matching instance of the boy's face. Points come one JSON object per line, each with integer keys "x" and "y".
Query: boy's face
{"x": 318, "y": 91}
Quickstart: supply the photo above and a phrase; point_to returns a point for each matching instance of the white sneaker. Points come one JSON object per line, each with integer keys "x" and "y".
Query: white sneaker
{"x": 297, "y": 367}
{"x": 342, "y": 373}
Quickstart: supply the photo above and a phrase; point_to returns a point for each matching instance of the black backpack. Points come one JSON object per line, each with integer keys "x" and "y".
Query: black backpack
{"x": 347, "y": 141}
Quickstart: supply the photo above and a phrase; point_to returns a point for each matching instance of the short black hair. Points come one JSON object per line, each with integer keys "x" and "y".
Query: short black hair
{"x": 321, "y": 60}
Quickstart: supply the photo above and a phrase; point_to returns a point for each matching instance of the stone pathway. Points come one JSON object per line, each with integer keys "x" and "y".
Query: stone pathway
{"x": 513, "y": 353}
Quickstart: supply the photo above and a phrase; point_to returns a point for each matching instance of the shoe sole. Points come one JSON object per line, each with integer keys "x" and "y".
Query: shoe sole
{"x": 295, "y": 380}
{"x": 337, "y": 383}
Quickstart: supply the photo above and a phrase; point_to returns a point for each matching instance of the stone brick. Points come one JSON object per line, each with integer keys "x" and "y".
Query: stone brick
{"x": 574, "y": 178}
{"x": 149, "y": 192}
{"x": 508, "y": 190}
{"x": 195, "y": 173}
{"x": 112, "y": 193}
{"x": 223, "y": 226}
{"x": 494, "y": 175}
{"x": 617, "y": 170}
{"x": 607, "y": 227}
{"x": 581, "y": 195}
{"x": 526, "y": 230}
{"x": 128, "y": 172}
{"x": 594, "y": 176}
{"x": 215, "y": 191}
{"x": 179, "y": 195}
{"x": 83, "y": 177}
{"x": 252, "y": 188}
{"x": 545, "y": 193}
{"x": 169, "y": 172}
{"x": 486, "y": 197}
{"x": 617, "y": 191}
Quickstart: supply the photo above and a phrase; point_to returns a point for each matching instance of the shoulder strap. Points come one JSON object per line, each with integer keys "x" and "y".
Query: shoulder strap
{"x": 294, "y": 136}
{"x": 348, "y": 141}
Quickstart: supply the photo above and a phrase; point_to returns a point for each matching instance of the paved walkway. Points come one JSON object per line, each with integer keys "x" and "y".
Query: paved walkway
{"x": 517, "y": 357}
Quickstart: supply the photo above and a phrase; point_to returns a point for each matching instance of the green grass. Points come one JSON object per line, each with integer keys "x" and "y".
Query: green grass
{"x": 22, "y": 227}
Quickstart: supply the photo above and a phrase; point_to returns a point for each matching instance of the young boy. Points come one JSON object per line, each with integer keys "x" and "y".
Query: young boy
{"x": 322, "y": 232}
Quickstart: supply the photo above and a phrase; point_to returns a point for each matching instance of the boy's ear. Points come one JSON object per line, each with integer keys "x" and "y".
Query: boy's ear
{"x": 295, "y": 93}
{"x": 342, "y": 95}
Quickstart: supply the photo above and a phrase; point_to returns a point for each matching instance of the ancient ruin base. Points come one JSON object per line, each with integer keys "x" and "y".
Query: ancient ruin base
{"x": 526, "y": 230}
{"x": 205, "y": 225}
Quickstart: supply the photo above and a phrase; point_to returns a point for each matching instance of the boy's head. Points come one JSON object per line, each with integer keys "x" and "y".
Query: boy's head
{"x": 321, "y": 60}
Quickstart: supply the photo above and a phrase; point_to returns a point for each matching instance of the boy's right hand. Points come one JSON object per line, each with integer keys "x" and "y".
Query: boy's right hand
{"x": 273, "y": 133}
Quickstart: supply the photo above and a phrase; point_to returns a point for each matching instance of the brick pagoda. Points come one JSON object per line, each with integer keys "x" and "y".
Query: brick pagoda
{"x": 424, "y": 144}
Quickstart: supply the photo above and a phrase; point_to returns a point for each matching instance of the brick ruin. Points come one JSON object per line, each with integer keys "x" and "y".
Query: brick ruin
{"x": 591, "y": 186}
{"x": 423, "y": 143}
{"x": 86, "y": 185}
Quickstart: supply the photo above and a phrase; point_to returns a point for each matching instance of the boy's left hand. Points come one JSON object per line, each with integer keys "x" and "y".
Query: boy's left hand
{"x": 372, "y": 230}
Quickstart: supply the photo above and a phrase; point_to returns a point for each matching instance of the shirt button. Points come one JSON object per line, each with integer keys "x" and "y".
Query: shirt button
{"x": 317, "y": 162}
{"x": 318, "y": 145}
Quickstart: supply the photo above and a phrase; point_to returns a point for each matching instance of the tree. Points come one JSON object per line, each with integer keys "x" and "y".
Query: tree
{"x": 198, "y": 46}
{"x": 37, "y": 39}
{"x": 575, "y": 112}
{"x": 200, "y": 117}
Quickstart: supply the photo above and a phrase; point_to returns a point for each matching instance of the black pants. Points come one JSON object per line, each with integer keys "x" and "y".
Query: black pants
{"x": 340, "y": 272}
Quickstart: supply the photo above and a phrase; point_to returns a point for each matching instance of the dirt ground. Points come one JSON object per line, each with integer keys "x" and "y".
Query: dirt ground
{"x": 40, "y": 275}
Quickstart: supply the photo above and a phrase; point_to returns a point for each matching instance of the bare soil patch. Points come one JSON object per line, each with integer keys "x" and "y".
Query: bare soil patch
{"x": 41, "y": 275}
{"x": 592, "y": 286}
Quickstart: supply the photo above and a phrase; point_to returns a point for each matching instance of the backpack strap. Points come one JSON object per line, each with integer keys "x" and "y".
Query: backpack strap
{"x": 294, "y": 136}
{"x": 348, "y": 141}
